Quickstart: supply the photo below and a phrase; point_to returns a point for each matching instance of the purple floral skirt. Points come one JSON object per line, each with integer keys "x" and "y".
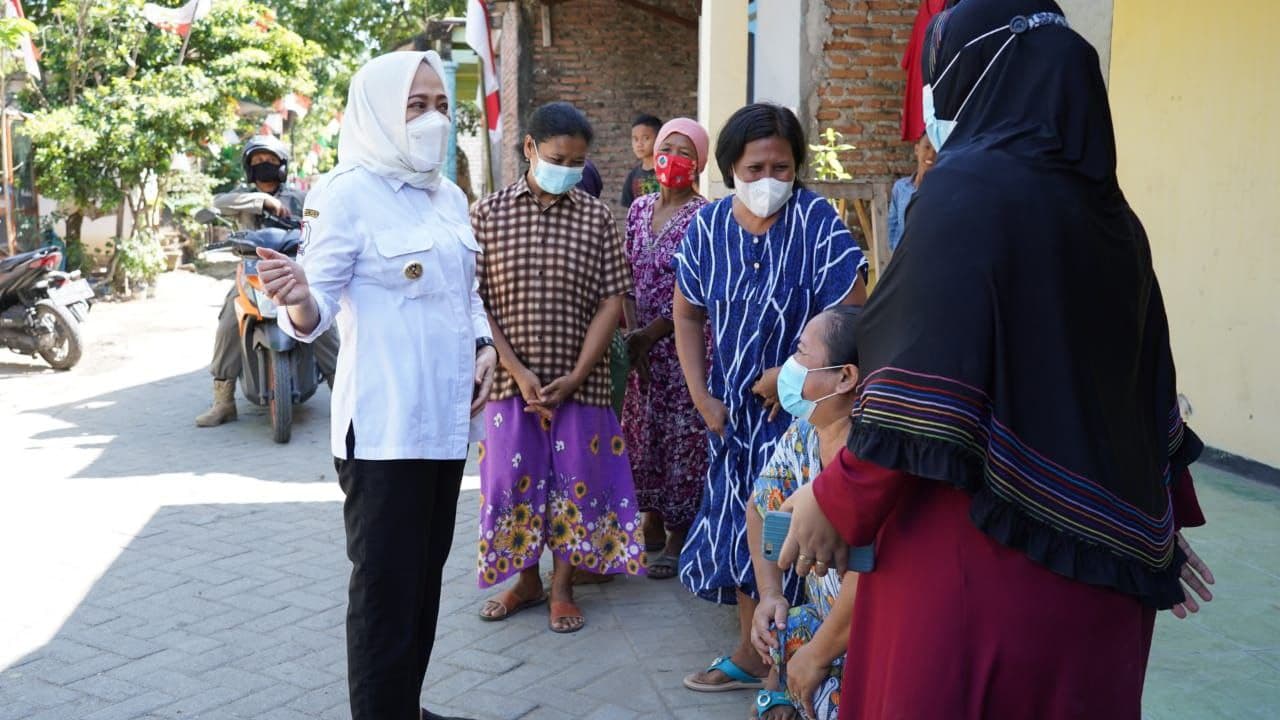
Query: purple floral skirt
{"x": 563, "y": 483}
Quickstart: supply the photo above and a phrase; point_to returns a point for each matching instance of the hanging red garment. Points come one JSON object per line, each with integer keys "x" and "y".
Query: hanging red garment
{"x": 912, "y": 112}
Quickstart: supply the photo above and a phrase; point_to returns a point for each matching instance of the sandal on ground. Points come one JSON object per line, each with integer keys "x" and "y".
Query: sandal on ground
{"x": 767, "y": 700}
{"x": 561, "y": 611}
{"x": 511, "y": 603}
{"x": 739, "y": 679}
{"x": 662, "y": 567}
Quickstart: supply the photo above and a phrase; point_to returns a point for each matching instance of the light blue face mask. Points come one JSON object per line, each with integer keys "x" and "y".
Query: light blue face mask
{"x": 938, "y": 129}
{"x": 791, "y": 388}
{"x": 555, "y": 179}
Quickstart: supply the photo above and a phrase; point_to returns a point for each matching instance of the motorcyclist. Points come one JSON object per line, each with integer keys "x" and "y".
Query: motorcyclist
{"x": 265, "y": 160}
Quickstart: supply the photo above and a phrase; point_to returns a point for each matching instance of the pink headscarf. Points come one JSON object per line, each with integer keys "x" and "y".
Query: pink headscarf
{"x": 690, "y": 129}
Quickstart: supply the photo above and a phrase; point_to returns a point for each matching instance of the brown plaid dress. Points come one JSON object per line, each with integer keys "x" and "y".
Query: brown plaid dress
{"x": 542, "y": 276}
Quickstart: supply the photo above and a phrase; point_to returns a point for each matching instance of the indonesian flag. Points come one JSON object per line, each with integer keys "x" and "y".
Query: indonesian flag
{"x": 30, "y": 55}
{"x": 481, "y": 42}
{"x": 177, "y": 20}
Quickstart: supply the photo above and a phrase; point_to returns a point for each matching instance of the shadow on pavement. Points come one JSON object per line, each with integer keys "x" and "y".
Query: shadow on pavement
{"x": 149, "y": 429}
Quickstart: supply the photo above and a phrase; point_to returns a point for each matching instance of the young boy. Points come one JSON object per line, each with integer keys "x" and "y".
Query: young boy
{"x": 641, "y": 180}
{"x": 905, "y": 188}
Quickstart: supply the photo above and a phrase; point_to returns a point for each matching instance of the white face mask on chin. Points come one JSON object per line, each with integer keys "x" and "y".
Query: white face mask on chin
{"x": 763, "y": 197}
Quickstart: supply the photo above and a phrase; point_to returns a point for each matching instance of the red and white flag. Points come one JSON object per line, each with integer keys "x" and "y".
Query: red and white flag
{"x": 177, "y": 20}
{"x": 30, "y": 55}
{"x": 480, "y": 40}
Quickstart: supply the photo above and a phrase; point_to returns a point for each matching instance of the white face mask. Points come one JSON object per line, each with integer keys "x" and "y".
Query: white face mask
{"x": 428, "y": 136}
{"x": 765, "y": 196}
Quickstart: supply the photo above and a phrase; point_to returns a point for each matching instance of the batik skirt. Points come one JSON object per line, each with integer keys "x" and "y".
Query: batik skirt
{"x": 563, "y": 483}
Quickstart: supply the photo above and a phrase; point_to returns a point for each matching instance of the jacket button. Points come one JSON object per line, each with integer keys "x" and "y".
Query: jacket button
{"x": 413, "y": 270}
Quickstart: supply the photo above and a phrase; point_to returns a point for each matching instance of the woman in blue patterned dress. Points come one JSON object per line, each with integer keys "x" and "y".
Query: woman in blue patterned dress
{"x": 757, "y": 266}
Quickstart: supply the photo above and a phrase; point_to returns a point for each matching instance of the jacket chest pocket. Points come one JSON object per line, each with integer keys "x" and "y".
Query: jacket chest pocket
{"x": 409, "y": 261}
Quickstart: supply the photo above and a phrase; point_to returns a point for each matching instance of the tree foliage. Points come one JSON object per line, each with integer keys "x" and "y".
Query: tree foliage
{"x": 116, "y": 105}
{"x": 351, "y": 30}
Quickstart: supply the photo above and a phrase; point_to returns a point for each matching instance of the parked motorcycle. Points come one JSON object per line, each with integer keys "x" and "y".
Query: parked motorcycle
{"x": 41, "y": 307}
{"x": 277, "y": 371}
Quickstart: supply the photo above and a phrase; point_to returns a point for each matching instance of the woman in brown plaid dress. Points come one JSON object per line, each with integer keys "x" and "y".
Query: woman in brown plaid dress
{"x": 554, "y": 470}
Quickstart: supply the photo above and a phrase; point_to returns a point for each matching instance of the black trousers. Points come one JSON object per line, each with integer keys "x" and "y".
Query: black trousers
{"x": 399, "y": 516}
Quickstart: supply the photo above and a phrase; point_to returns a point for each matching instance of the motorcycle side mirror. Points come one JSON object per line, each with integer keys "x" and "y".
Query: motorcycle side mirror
{"x": 208, "y": 216}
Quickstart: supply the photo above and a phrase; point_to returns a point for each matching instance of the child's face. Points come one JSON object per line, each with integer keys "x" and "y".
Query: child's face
{"x": 642, "y": 137}
{"x": 925, "y": 155}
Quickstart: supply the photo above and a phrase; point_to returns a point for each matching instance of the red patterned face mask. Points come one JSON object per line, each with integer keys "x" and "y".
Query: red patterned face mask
{"x": 673, "y": 171}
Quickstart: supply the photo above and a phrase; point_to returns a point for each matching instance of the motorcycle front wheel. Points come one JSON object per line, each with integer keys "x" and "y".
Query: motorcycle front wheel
{"x": 56, "y": 319}
{"x": 280, "y": 385}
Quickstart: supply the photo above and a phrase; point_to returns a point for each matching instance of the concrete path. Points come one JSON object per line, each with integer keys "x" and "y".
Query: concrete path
{"x": 153, "y": 570}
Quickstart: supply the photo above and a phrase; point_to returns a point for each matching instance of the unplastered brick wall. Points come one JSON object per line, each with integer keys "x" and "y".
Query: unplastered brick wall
{"x": 612, "y": 61}
{"x": 860, "y": 83}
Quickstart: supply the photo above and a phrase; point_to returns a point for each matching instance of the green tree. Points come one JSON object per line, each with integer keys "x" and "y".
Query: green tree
{"x": 354, "y": 29}
{"x": 115, "y": 106}
{"x": 350, "y": 32}
{"x": 12, "y": 29}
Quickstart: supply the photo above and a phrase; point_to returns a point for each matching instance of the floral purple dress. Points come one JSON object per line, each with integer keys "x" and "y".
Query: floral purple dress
{"x": 664, "y": 432}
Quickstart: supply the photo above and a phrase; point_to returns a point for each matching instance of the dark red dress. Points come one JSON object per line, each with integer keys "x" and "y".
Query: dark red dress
{"x": 952, "y": 625}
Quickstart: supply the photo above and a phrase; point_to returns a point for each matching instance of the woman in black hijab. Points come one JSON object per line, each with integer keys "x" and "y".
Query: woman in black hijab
{"x": 1017, "y": 450}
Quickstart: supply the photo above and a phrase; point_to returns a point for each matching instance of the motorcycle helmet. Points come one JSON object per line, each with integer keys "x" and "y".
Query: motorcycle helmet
{"x": 265, "y": 143}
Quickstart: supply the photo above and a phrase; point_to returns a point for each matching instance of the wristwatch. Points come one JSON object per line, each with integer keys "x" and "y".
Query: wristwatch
{"x": 484, "y": 342}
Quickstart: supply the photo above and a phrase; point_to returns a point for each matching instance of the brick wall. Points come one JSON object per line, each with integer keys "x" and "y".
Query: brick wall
{"x": 611, "y": 61}
{"x": 860, "y": 83}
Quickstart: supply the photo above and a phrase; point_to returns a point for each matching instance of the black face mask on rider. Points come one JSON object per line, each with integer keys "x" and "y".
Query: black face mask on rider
{"x": 265, "y": 172}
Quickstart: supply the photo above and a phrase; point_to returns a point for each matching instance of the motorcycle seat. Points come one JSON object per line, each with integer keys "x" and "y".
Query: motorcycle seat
{"x": 13, "y": 261}
{"x": 282, "y": 241}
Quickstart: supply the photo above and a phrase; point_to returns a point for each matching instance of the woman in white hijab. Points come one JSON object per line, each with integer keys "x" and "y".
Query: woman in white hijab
{"x": 389, "y": 255}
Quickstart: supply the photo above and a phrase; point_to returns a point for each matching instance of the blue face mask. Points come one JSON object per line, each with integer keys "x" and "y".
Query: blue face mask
{"x": 555, "y": 179}
{"x": 791, "y": 388}
{"x": 939, "y": 130}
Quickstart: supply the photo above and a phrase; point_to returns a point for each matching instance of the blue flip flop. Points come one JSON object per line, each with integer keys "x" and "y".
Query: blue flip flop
{"x": 739, "y": 679}
{"x": 767, "y": 700}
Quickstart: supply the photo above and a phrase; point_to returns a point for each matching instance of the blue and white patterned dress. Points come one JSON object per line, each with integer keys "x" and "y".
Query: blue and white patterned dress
{"x": 758, "y": 292}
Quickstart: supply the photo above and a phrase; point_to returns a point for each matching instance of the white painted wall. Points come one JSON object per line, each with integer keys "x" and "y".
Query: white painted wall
{"x": 722, "y": 74}
{"x": 779, "y": 28}
{"x": 1092, "y": 19}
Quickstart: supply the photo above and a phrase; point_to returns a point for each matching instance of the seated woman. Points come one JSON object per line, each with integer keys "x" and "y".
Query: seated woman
{"x": 805, "y": 645}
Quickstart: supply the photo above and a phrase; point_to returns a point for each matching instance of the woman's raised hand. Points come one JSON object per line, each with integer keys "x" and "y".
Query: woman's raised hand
{"x": 812, "y": 544}
{"x": 283, "y": 280}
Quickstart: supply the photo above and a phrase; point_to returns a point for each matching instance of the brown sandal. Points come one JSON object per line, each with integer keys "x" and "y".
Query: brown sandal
{"x": 561, "y": 611}
{"x": 511, "y": 603}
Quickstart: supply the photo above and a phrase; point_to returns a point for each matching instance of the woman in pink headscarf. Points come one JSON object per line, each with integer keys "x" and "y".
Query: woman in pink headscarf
{"x": 664, "y": 432}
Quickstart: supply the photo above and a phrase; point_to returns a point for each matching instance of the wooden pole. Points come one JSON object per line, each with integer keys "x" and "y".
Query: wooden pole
{"x": 10, "y": 229}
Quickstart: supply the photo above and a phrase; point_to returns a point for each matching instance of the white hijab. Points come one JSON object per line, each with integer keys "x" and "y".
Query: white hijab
{"x": 374, "y": 134}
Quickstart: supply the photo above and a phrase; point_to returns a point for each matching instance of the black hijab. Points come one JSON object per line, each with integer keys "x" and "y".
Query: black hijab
{"x": 1017, "y": 346}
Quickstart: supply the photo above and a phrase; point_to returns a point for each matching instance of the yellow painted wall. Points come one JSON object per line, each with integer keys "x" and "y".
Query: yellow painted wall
{"x": 1197, "y": 115}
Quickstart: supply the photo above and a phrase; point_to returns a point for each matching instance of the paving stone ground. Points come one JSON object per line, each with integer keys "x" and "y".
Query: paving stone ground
{"x": 152, "y": 570}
